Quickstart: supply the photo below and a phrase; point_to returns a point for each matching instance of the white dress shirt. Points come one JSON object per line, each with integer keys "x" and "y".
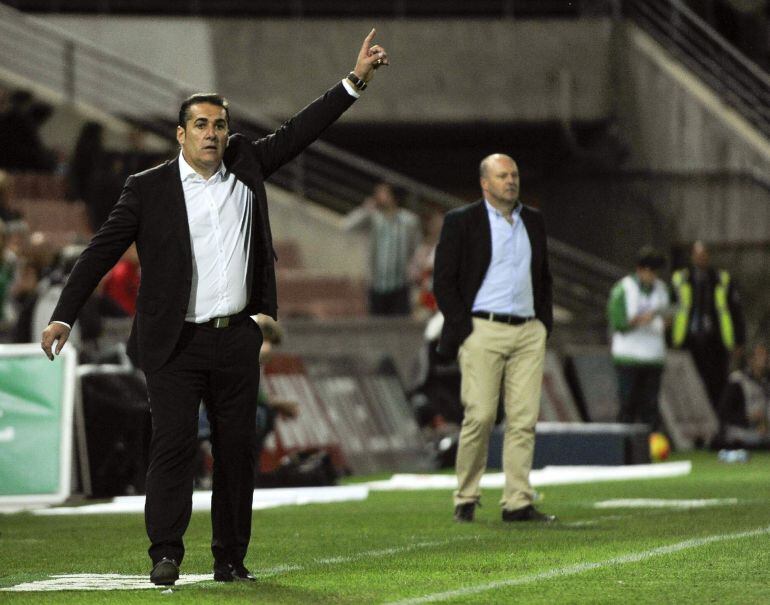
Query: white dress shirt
{"x": 507, "y": 285}
{"x": 219, "y": 214}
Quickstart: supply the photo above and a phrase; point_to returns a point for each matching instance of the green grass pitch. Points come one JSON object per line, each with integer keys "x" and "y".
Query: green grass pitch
{"x": 403, "y": 547}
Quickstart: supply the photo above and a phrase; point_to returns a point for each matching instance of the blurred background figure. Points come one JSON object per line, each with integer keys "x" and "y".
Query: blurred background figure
{"x": 744, "y": 410}
{"x": 7, "y": 213}
{"x": 709, "y": 319}
{"x": 394, "y": 236}
{"x": 8, "y": 263}
{"x": 638, "y": 312}
{"x": 20, "y": 139}
{"x": 121, "y": 285}
{"x": 85, "y": 159}
{"x": 421, "y": 266}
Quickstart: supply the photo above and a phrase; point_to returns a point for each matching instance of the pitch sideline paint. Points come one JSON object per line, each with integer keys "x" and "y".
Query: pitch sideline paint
{"x": 572, "y": 570}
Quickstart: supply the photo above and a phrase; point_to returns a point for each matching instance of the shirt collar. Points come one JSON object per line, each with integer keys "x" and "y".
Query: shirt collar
{"x": 495, "y": 212}
{"x": 186, "y": 171}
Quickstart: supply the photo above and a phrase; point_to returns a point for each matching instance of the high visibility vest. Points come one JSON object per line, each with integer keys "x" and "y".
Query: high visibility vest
{"x": 681, "y": 281}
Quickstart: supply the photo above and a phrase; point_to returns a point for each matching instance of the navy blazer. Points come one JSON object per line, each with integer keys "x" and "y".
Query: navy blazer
{"x": 463, "y": 255}
{"x": 151, "y": 211}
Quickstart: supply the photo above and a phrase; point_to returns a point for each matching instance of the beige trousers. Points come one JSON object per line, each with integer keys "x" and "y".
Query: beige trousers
{"x": 497, "y": 356}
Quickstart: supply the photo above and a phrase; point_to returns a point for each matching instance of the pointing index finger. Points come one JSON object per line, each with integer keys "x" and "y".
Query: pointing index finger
{"x": 368, "y": 40}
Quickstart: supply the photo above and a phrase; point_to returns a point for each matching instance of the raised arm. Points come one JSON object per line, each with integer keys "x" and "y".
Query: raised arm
{"x": 275, "y": 150}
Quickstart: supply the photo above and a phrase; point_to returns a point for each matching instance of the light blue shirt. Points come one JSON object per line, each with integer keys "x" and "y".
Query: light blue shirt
{"x": 507, "y": 285}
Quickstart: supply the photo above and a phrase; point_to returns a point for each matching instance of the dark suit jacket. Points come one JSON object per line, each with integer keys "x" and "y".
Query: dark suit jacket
{"x": 151, "y": 211}
{"x": 463, "y": 255}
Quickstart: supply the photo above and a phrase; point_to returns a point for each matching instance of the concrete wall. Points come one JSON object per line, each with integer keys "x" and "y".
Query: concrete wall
{"x": 324, "y": 246}
{"x": 673, "y": 121}
{"x": 442, "y": 70}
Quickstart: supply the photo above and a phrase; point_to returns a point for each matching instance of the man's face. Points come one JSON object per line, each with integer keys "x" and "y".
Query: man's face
{"x": 204, "y": 137}
{"x": 646, "y": 275}
{"x": 500, "y": 182}
{"x": 700, "y": 256}
{"x": 383, "y": 197}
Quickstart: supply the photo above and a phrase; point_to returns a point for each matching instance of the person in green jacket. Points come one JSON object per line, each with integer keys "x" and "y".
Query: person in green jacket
{"x": 637, "y": 311}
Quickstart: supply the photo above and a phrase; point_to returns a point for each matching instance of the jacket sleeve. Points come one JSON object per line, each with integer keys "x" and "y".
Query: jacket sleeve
{"x": 446, "y": 271}
{"x": 104, "y": 250}
{"x": 280, "y": 147}
{"x": 617, "y": 315}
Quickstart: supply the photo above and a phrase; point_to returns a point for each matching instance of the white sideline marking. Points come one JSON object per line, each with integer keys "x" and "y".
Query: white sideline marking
{"x": 113, "y": 581}
{"x": 664, "y": 503}
{"x": 571, "y": 570}
{"x": 100, "y": 581}
{"x": 371, "y": 554}
{"x": 201, "y": 500}
{"x": 550, "y": 475}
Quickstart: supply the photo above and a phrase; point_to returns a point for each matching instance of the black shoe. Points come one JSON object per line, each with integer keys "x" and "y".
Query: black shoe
{"x": 165, "y": 572}
{"x": 527, "y": 513}
{"x": 232, "y": 573}
{"x": 464, "y": 512}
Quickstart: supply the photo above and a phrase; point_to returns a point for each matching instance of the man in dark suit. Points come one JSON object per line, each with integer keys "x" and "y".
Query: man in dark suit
{"x": 493, "y": 285}
{"x": 201, "y": 228}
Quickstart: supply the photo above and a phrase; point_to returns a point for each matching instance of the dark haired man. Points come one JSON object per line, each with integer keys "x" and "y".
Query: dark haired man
{"x": 638, "y": 311}
{"x": 202, "y": 231}
{"x": 493, "y": 285}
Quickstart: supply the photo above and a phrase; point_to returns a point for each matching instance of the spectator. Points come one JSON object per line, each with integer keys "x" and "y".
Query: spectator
{"x": 744, "y": 411}
{"x": 393, "y": 236}
{"x": 421, "y": 265}
{"x": 709, "y": 319}
{"x": 22, "y": 146}
{"x": 121, "y": 284}
{"x": 7, "y": 213}
{"x": 8, "y": 262}
{"x": 88, "y": 151}
{"x": 637, "y": 311}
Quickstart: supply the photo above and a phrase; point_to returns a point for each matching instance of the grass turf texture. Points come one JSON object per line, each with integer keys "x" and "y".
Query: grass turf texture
{"x": 399, "y": 545}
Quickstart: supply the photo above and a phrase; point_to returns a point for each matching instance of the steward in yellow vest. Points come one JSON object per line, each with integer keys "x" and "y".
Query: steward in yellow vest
{"x": 708, "y": 320}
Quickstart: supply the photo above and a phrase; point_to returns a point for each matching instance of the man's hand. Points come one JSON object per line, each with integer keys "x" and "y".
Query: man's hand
{"x": 643, "y": 318}
{"x": 370, "y": 57}
{"x": 55, "y": 332}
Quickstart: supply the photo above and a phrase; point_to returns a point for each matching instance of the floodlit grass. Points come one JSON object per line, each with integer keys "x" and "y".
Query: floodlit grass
{"x": 404, "y": 545}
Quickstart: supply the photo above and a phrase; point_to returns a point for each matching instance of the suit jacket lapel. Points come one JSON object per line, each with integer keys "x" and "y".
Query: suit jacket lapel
{"x": 178, "y": 209}
{"x": 483, "y": 231}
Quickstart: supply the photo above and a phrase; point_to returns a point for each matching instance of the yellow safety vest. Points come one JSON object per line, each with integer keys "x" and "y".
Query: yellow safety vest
{"x": 683, "y": 287}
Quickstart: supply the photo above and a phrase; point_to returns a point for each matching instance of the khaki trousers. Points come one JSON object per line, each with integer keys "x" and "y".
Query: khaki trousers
{"x": 498, "y": 356}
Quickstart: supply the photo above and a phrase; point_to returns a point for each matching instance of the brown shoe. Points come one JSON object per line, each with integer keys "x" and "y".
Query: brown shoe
{"x": 527, "y": 513}
{"x": 464, "y": 512}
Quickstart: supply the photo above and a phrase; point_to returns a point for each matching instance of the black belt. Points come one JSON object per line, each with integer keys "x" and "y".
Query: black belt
{"x": 225, "y": 320}
{"x": 511, "y": 320}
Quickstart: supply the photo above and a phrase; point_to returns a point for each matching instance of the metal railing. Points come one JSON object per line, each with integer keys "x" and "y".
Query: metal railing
{"x": 741, "y": 83}
{"x": 83, "y": 73}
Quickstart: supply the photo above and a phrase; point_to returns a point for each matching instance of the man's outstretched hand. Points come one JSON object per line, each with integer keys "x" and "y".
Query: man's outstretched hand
{"x": 370, "y": 57}
{"x": 55, "y": 332}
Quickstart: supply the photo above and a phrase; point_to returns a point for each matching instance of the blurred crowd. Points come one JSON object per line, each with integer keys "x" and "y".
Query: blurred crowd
{"x": 33, "y": 264}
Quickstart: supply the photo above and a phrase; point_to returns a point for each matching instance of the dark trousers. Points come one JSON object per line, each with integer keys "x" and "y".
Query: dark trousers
{"x": 392, "y": 302}
{"x": 638, "y": 387}
{"x": 220, "y": 367}
{"x": 713, "y": 363}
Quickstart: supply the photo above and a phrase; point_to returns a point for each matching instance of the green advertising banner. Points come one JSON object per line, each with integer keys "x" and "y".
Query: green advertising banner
{"x": 36, "y": 405}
